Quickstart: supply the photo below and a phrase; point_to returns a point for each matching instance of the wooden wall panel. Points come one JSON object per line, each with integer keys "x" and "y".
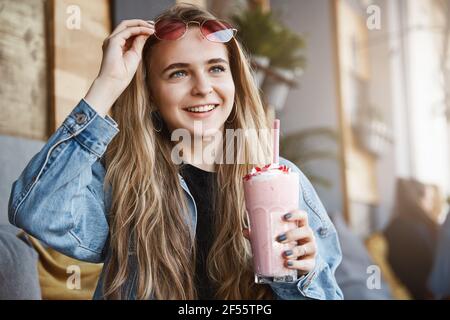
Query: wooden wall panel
{"x": 77, "y": 52}
{"x": 23, "y": 69}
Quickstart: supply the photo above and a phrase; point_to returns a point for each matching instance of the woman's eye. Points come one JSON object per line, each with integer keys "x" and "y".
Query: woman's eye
{"x": 217, "y": 69}
{"x": 177, "y": 74}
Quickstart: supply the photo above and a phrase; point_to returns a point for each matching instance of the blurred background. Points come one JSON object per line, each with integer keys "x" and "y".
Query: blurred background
{"x": 362, "y": 89}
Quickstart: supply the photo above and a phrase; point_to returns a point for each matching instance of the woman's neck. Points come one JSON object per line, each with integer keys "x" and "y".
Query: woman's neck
{"x": 202, "y": 153}
{"x": 204, "y": 166}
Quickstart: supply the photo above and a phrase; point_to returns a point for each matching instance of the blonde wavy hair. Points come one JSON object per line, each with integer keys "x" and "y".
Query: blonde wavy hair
{"x": 149, "y": 217}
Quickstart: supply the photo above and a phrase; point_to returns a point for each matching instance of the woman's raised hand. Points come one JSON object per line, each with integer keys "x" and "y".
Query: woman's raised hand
{"x": 122, "y": 52}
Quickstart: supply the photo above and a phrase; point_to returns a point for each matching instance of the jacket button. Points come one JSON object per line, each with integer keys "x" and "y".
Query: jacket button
{"x": 323, "y": 232}
{"x": 80, "y": 118}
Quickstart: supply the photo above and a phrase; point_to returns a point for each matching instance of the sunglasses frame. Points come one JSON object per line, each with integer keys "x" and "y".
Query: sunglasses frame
{"x": 200, "y": 29}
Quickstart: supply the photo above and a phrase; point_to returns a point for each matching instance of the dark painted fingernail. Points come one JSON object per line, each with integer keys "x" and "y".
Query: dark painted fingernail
{"x": 288, "y": 253}
{"x": 290, "y": 263}
{"x": 282, "y": 237}
{"x": 287, "y": 216}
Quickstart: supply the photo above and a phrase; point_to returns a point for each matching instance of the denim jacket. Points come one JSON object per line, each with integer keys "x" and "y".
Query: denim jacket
{"x": 59, "y": 198}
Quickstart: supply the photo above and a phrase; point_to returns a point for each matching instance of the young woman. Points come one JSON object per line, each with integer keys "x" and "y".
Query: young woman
{"x": 166, "y": 230}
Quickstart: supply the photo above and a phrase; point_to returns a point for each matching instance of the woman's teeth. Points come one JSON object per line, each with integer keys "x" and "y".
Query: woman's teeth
{"x": 205, "y": 108}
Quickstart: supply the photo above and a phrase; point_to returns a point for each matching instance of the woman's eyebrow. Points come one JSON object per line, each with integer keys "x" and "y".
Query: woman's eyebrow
{"x": 217, "y": 60}
{"x": 180, "y": 65}
{"x": 177, "y": 65}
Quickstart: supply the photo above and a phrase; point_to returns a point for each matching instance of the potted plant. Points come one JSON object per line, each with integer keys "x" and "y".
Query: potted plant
{"x": 276, "y": 51}
{"x": 287, "y": 62}
{"x": 256, "y": 31}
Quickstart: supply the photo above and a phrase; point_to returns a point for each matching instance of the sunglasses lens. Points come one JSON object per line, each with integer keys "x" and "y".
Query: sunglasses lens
{"x": 168, "y": 29}
{"x": 217, "y": 31}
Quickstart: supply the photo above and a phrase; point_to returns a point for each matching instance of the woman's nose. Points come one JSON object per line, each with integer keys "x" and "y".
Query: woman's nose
{"x": 201, "y": 86}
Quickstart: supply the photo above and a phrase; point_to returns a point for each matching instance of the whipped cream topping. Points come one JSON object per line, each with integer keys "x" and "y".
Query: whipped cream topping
{"x": 269, "y": 169}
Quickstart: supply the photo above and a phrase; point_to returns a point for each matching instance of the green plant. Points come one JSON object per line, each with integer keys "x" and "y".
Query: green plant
{"x": 256, "y": 30}
{"x": 298, "y": 148}
{"x": 287, "y": 50}
{"x": 264, "y": 34}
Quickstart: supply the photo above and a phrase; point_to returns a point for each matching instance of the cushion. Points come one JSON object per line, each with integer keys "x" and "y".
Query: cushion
{"x": 18, "y": 267}
{"x": 439, "y": 281}
{"x": 65, "y": 278}
{"x": 377, "y": 247}
{"x": 352, "y": 274}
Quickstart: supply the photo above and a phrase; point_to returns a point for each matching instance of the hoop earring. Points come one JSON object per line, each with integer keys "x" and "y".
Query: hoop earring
{"x": 228, "y": 121}
{"x": 156, "y": 118}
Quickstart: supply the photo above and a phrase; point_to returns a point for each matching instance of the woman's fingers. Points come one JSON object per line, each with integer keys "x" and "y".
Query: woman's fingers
{"x": 131, "y": 23}
{"x": 124, "y": 35}
{"x": 298, "y": 234}
{"x": 303, "y": 266}
{"x": 138, "y": 44}
{"x": 301, "y": 217}
{"x": 301, "y": 252}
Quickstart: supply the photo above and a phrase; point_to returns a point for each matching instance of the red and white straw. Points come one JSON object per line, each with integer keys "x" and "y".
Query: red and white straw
{"x": 276, "y": 141}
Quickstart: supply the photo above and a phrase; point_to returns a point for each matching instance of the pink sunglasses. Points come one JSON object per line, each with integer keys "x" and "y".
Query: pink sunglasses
{"x": 212, "y": 30}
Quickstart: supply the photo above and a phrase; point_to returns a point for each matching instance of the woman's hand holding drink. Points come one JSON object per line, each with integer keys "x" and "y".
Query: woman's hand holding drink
{"x": 302, "y": 256}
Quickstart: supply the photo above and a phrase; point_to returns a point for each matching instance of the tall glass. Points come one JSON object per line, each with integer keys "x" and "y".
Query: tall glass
{"x": 269, "y": 196}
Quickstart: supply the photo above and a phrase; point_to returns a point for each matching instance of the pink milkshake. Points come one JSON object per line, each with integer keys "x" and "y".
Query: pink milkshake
{"x": 270, "y": 193}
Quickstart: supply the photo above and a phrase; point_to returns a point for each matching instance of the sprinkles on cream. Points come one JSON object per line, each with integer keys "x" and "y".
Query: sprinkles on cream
{"x": 267, "y": 169}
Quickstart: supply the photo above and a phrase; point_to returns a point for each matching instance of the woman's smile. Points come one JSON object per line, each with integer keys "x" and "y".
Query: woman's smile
{"x": 201, "y": 111}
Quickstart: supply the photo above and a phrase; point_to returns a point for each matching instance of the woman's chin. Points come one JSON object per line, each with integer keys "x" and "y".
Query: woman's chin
{"x": 208, "y": 131}
{"x": 199, "y": 129}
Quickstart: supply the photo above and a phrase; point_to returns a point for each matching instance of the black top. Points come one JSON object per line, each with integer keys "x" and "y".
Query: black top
{"x": 202, "y": 185}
